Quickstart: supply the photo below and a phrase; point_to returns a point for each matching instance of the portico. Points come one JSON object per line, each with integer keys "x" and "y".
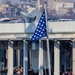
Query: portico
{"x": 15, "y": 42}
{"x": 60, "y": 51}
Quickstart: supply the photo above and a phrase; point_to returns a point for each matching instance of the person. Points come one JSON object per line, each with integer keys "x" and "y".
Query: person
{"x": 66, "y": 73}
{"x": 70, "y": 73}
{"x": 43, "y": 71}
{"x": 47, "y": 72}
{"x": 37, "y": 73}
{"x": 52, "y": 72}
{"x": 63, "y": 73}
{"x": 31, "y": 72}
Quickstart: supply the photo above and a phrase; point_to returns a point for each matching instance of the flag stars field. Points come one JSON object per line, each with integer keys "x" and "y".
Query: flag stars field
{"x": 40, "y": 29}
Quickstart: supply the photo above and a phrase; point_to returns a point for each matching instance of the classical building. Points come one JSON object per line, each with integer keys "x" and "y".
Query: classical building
{"x": 16, "y": 48}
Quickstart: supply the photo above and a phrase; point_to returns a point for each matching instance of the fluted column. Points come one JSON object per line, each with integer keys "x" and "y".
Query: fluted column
{"x": 73, "y": 58}
{"x": 56, "y": 58}
{"x": 25, "y": 57}
{"x": 18, "y": 57}
{"x": 40, "y": 57}
{"x": 10, "y": 57}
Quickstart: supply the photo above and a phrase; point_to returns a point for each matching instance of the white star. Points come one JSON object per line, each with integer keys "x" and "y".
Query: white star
{"x": 38, "y": 26}
{"x": 35, "y": 33}
{"x": 41, "y": 32}
{"x": 41, "y": 20}
{"x": 40, "y": 35}
{"x": 37, "y": 30}
{"x": 42, "y": 17}
{"x": 33, "y": 39}
{"x": 42, "y": 29}
{"x": 39, "y": 23}
{"x": 34, "y": 36}
{"x": 42, "y": 25}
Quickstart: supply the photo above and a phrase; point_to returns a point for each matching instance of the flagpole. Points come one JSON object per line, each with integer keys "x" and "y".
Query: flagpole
{"x": 48, "y": 52}
{"x": 38, "y": 4}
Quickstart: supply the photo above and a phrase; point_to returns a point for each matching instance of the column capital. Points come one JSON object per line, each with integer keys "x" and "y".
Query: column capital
{"x": 56, "y": 41}
{"x": 57, "y": 55}
{"x": 25, "y": 57}
{"x": 73, "y": 40}
{"x": 25, "y": 41}
{"x": 10, "y": 41}
{"x": 10, "y": 57}
{"x": 40, "y": 40}
{"x": 40, "y": 58}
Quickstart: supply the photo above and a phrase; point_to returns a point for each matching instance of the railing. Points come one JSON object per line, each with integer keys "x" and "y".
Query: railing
{"x": 61, "y": 20}
{"x": 29, "y": 28}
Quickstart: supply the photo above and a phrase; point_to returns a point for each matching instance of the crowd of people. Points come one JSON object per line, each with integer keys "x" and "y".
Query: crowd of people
{"x": 46, "y": 72}
{"x": 3, "y": 71}
{"x": 16, "y": 71}
{"x": 19, "y": 71}
{"x": 68, "y": 72}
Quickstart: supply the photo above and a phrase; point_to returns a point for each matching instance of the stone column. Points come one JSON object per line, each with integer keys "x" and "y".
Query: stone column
{"x": 7, "y": 57}
{"x": 40, "y": 57}
{"x": 25, "y": 57}
{"x": 73, "y": 58}
{"x": 56, "y": 58}
{"x": 10, "y": 57}
{"x": 45, "y": 63}
{"x": 18, "y": 57}
{"x": 65, "y": 62}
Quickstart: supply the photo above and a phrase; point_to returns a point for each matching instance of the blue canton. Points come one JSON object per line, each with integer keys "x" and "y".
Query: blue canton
{"x": 40, "y": 29}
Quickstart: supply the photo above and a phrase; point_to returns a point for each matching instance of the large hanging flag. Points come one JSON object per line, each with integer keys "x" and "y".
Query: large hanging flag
{"x": 40, "y": 29}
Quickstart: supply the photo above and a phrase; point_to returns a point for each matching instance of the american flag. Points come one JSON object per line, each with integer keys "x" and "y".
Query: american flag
{"x": 40, "y": 29}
